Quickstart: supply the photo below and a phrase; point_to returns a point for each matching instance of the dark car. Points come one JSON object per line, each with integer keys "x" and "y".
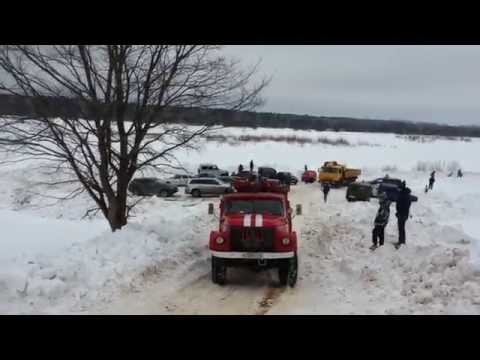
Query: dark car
{"x": 385, "y": 185}
{"x": 287, "y": 178}
{"x": 151, "y": 187}
{"x": 359, "y": 191}
{"x": 386, "y": 180}
{"x": 388, "y": 186}
{"x": 267, "y": 172}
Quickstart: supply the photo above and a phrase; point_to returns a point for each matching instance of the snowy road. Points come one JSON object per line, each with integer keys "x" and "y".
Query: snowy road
{"x": 337, "y": 274}
{"x": 246, "y": 293}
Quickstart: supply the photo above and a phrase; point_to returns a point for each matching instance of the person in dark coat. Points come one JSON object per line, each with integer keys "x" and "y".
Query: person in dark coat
{"x": 306, "y": 168}
{"x": 459, "y": 173}
{"x": 381, "y": 220}
{"x": 325, "y": 189}
{"x": 240, "y": 168}
{"x": 431, "y": 181}
{"x": 403, "y": 211}
{"x": 251, "y": 165}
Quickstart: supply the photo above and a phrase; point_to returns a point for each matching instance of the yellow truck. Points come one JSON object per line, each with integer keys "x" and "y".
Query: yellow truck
{"x": 337, "y": 174}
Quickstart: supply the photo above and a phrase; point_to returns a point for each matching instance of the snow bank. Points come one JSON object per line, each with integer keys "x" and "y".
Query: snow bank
{"x": 86, "y": 273}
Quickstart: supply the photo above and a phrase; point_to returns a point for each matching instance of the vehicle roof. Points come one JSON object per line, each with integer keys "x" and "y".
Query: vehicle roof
{"x": 250, "y": 195}
{"x": 389, "y": 179}
{"x": 360, "y": 183}
{"x": 205, "y": 178}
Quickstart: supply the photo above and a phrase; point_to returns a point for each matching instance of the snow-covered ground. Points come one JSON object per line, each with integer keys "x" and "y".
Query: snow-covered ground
{"x": 52, "y": 261}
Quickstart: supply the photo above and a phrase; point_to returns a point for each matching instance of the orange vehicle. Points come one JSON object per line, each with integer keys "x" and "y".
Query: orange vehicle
{"x": 337, "y": 174}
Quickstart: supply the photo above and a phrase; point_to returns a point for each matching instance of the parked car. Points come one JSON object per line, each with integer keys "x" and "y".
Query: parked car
{"x": 178, "y": 180}
{"x": 151, "y": 187}
{"x": 287, "y": 178}
{"x": 293, "y": 179}
{"x": 267, "y": 172}
{"x": 309, "y": 176}
{"x": 359, "y": 191}
{"x": 207, "y": 186}
{"x": 211, "y": 169}
{"x": 388, "y": 186}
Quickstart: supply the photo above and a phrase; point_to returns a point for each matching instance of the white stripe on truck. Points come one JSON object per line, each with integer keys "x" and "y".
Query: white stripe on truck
{"x": 258, "y": 220}
{"x": 247, "y": 220}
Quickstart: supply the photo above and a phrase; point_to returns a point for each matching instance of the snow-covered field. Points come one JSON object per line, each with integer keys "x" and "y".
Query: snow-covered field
{"x": 52, "y": 261}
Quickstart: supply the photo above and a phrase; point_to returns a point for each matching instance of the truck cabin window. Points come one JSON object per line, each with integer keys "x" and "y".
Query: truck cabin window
{"x": 330, "y": 170}
{"x": 266, "y": 207}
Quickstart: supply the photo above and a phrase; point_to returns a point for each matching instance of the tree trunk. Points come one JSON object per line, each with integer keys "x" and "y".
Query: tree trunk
{"x": 117, "y": 214}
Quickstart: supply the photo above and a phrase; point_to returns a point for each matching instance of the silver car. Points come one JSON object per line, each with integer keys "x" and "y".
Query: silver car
{"x": 178, "y": 180}
{"x": 207, "y": 186}
{"x": 211, "y": 170}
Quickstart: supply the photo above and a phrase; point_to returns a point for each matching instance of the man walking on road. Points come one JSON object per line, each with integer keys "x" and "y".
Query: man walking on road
{"x": 325, "y": 189}
{"x": 431, "y": 181}
{"x": 381, "y": 220}
{"x": 403, "y": 210}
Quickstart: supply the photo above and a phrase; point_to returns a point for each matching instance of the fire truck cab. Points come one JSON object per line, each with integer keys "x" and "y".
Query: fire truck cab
{"x": 255, "y": 229}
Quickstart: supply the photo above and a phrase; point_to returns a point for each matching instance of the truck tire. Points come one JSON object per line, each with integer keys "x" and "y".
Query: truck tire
{"x": 219, "y": 271}
{"x": 288, "y": 271}
{"x": 196, "y": 193}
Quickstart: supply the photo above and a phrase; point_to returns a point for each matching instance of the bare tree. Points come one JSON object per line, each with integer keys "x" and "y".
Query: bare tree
{"x": 121, "y": 96}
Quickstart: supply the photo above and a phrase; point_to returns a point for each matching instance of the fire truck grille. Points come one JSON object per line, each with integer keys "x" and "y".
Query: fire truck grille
{"x": 252, "y": 239}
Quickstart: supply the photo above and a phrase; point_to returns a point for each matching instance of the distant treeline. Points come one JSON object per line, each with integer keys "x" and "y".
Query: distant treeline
{"x": 21, "y": 106}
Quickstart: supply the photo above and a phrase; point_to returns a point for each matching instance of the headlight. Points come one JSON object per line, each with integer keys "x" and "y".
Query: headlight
{"x": 285, "y": 241}
{"x": 220, "y": 240}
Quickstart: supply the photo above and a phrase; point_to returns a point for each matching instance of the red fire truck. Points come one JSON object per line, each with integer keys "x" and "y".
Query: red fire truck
{"x": 255, "y": 229}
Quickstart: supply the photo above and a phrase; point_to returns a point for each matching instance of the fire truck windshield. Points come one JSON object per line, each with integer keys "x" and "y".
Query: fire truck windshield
{"x": 259, "y": 206}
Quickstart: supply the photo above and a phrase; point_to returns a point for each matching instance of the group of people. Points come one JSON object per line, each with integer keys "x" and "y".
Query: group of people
{"x": 381, "y": 219}
{"x": 240, "y": 167}
{"x": 459, "y": 173}
{"x": 431, "y": 180}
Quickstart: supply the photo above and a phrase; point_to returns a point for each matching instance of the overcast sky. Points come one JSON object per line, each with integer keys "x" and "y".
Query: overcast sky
{"x": 420, "y": 83}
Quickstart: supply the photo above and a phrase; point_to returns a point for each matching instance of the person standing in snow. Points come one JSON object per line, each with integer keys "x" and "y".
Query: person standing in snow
{"x": 240, "y": 168}
{"x": 381, "y": 220}
{"x": 306, "y": 168}
{"x": 431, "y": 181}
{"x": 459, "y": 173}
{"x": 403, "y": 210}
{"x": 325, "y": 189}
{"x": 251, "y": 165}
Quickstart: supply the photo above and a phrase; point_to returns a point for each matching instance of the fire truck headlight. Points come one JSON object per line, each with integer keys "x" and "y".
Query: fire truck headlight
{"x": 285, "y": 241}
{"x": 220, "y": 240}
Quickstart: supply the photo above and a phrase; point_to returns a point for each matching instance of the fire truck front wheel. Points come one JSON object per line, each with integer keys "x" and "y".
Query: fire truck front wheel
{"x": 219, "y": 271}
{"x": 287, "y": 272}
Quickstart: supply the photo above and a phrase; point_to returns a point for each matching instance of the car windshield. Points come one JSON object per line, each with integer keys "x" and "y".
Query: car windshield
{"x": 263, "y": 206}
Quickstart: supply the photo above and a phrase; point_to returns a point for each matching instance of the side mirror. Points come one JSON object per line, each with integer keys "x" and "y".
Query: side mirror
{"x": 210, "y": 208}
{"x": 298, "y": 210}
